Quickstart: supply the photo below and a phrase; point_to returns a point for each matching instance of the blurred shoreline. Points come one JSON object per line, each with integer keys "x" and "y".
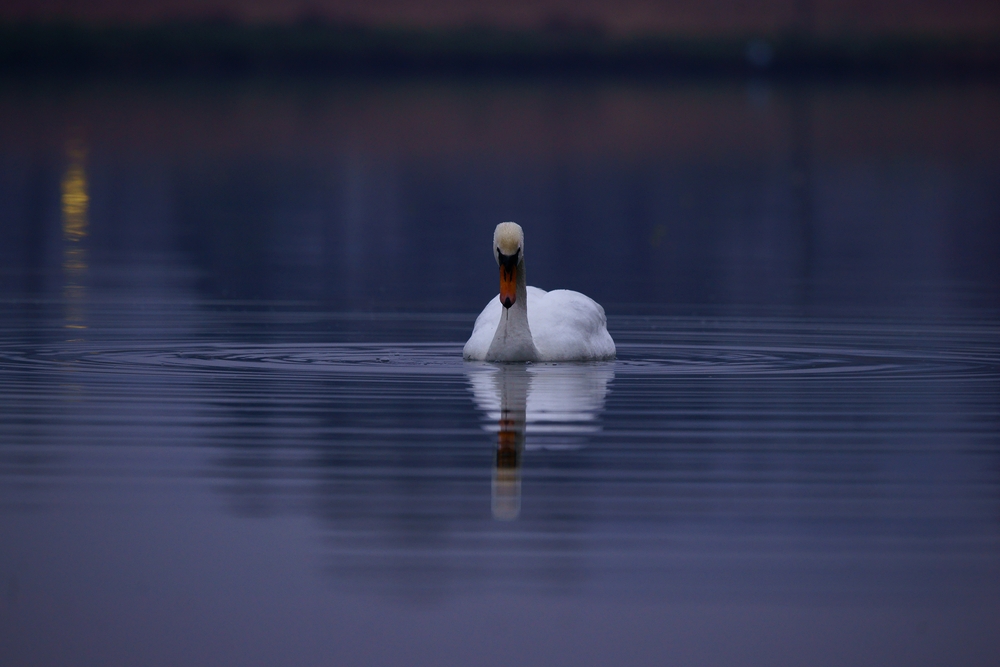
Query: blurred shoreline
{"x": 322, "y": 47}
{"x": 529, "y": 117}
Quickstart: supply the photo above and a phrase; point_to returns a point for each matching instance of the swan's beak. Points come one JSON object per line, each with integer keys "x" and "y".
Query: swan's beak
{"x": 508, "y": 286}
{"x": 508, "y": 277}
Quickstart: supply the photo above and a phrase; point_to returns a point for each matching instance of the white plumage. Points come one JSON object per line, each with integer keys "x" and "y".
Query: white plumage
{"x": 561, "y": 325}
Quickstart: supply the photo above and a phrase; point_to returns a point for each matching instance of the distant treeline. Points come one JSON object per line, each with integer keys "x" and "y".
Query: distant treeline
{"x": 229, "y": 47}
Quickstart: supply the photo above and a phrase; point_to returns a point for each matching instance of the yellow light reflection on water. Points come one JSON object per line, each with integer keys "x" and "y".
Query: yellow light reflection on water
{"x": 75, "y": 202}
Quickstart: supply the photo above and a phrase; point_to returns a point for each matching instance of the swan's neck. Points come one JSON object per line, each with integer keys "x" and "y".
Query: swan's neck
{"x": 512, "y": 340}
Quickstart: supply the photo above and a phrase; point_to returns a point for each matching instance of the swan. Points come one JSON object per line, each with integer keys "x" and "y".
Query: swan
{"x": 529, "y": 324}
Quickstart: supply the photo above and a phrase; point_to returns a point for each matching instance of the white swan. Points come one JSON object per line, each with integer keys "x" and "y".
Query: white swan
{"x": 529, "y": 324}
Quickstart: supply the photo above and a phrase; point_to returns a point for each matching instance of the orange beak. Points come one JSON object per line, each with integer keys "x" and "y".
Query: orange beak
{"x": 508, "y": 285}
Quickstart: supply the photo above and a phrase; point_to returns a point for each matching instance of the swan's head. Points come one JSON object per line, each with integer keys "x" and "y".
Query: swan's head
{"x": 508, "y": 249}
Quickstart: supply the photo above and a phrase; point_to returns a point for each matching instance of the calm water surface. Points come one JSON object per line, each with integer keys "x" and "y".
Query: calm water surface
{"x": 236, "y": 428}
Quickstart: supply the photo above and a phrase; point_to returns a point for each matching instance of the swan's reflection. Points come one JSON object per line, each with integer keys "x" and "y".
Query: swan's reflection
{"x": 555, "y": 405}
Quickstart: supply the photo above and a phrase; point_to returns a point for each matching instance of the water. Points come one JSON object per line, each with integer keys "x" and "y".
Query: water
{"x": 235, "y": 426}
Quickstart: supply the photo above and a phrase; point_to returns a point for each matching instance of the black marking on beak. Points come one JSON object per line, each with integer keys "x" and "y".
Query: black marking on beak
{"x": 508, "y": 261}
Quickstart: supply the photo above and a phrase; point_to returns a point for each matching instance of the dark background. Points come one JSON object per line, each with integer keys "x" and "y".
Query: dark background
{"x": 813, "y": 156}
{"x": 382, "y": 193}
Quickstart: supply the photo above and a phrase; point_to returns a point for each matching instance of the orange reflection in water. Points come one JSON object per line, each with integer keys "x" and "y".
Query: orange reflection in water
{"x": 507, "y": 473}
{"x": 75, "y": 202}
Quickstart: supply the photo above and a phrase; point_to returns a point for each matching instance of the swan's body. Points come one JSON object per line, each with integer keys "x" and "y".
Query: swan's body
{"x": 529, "y": 324}
{"x": 562, "y": 326}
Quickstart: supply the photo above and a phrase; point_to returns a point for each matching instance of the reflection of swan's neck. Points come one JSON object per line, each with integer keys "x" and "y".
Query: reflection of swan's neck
{"x": 507, "y": 473}
{"x": 512, "y": 340}
{"x": 513, "y": 389}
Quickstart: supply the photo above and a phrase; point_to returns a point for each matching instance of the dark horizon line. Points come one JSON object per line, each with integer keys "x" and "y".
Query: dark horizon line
{"x": 321, "y": 46}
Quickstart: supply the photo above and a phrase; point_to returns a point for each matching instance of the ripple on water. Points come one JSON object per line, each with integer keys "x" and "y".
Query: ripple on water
{"x": 725, "y": 438}
{"x": 338, "y": 359}
{"x": 722, "y": 359}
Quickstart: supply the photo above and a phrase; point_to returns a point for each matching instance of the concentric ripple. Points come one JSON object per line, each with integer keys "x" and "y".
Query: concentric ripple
{"x": 717, "y": 358}
{"x": 825, "y": 362}
{"x": 241, "y": 358}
